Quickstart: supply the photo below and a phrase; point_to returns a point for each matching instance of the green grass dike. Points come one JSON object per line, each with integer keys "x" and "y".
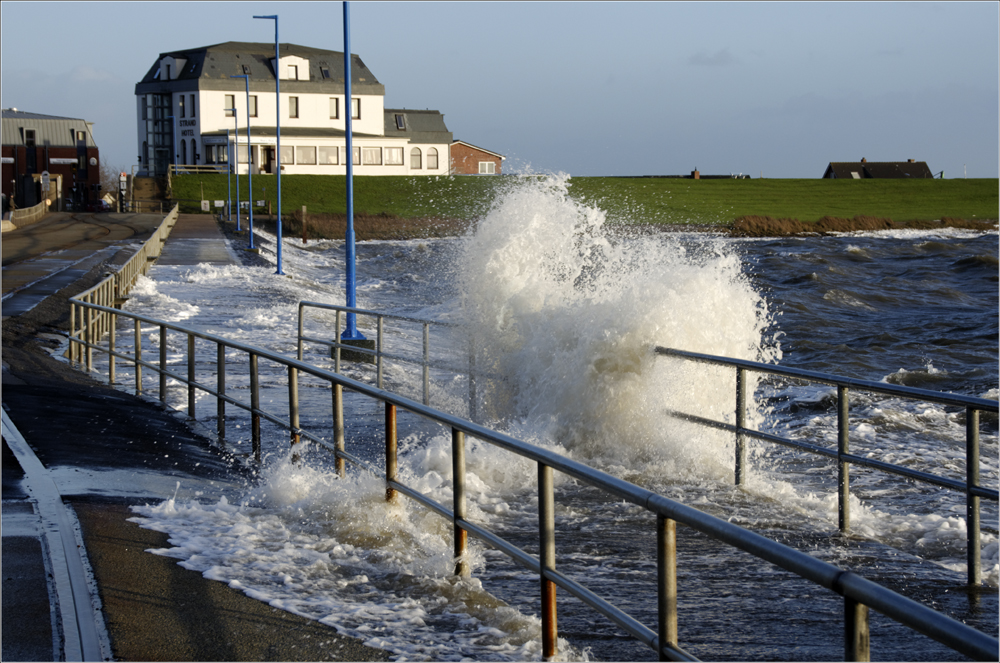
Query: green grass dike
{"x": 397, "y": 207}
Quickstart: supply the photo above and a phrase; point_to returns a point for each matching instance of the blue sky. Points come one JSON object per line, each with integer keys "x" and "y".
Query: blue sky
{"x": 586, "y": 88}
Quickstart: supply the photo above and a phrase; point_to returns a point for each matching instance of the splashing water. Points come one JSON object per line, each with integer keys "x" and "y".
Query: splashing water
{"x": 566, "y": 313}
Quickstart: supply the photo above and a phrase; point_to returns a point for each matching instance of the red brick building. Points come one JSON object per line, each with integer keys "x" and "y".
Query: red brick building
{"x": 35, "y": 143}
{"x": 467, "y": 159}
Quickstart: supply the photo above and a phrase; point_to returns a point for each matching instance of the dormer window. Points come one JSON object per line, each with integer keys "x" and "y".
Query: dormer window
{"x": 400, "y": 122}
{"x": 293, "y": 72}
{"x": 325, "y": 71}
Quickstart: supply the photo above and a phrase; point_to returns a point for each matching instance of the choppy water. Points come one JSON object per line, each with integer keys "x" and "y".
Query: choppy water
{"x": 565, "y": 311}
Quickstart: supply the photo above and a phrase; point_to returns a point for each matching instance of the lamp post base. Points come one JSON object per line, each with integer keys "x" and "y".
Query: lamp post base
{"x": 352, "y": 355}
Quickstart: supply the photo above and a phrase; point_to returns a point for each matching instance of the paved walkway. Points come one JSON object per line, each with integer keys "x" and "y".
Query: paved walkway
{"x": 73, "y": 445}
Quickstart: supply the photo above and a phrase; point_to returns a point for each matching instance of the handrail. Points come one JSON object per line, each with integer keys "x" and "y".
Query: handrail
{"x": 859, "y": 594}
{"x": 113, "y": 291}
{"x": 972, "y": 405}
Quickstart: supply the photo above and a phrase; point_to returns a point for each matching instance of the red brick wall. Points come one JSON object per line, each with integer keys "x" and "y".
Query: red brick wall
{"x": 465, "y": 160}
{"x": 85, "y": 186}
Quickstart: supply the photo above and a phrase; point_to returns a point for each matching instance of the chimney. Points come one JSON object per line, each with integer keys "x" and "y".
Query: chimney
{"x": 695, "y": 175}
{"x": 864, "y": 160}
{"x": 911, "y": 161}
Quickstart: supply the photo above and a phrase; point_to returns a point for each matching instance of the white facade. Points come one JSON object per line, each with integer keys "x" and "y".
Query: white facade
{"x": 183, "y": 119}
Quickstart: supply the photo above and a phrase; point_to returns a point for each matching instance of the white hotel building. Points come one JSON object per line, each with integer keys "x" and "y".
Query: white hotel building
{"x": 182, "y": 118}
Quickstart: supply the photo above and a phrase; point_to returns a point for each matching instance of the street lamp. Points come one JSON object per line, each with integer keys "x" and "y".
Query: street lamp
{"x": 277, "y": 108}
{"x": 246, "y": 79}
{"x": 229, "y": 176}
{"x": 351, "y": 332}
{"x": 236, "y": 164}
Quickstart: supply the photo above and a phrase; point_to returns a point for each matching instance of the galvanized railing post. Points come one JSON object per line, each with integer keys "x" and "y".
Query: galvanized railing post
{"x": 138, "y": 357}
{"x": 390, "y": 451}
{"x": 73, "y": 347}
{"x": 458, "y": 490}
{"x": 190, "y": 376}
{"x": 473, "y": 396}
{"x": 255, "y": 407}
{"x": 293, "y": 404}
{"x": 547, "y": 560}
{"x": 163, "y": 363}
{"x": 298, "y": 354}
{"x": 844, "y": 468}
{"x": 974, "y": 557}
{"x": 427, "y": 361}
{"x": 220, "y": 401}
{"x": 111, "y": 349}
{"x": 89, "y": 338}
{"x": 856, "y": 632}
{"x": 338, "y": 428}
{"x": 378, "y": 353}
{"x": 741, "y": 422}
{"x": 666, "y": 544}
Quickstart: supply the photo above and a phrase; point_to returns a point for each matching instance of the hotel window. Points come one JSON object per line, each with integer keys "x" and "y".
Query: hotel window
{"x": 329, "y": 156}
{"x": 253, "y": 105}
{"x": 334, "y": 108}
{"x": 400, "y": 122}
{"x": 293, "y": 72}
{"x": 355, "y": 150}
{"x": 394, "y": 156}
{"x": 487, "y": 168}
{"x": 145, "y": 109}
{"x": 432, "y": 159}
{"x": 192, "y": 106}
{"x": 306, "y": 155}
{"x": 293, "y": 106}
{"x": 415, "y": 158}
{"x": 287, "y": 154}
{"x": 230, "y": 104}
{"x": 182, "y": 105}
{"x": 371, "y": 156}
{"x": 355, "y": 108}
{"x": 242, "y": 153}
{"x": 325, "y": 72}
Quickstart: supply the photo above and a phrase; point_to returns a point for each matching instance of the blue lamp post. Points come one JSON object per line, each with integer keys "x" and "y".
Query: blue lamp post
{"x": 235, "y": 164}
{"x": 351, "y": 333}
{"x": 246, "y": 79}
{"x": 277, "y": 108}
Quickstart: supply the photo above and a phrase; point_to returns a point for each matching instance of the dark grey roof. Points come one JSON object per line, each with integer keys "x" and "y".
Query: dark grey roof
{"x": 50, "y": 130}
{"x": 421, "y": 126}
{"x": 878, "y": 170}
{"x": 210, "y": 67}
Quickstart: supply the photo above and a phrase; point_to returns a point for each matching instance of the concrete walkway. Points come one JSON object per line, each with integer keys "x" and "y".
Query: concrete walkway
{"x": 102, "y": 450}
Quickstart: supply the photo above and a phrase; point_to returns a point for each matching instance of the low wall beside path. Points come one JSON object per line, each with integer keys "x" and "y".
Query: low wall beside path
{"x": 23, "y": 217}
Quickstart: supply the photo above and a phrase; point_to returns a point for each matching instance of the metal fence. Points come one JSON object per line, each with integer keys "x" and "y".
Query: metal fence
{"x": 858, "y": 593}
{"x": 972, "y": 406}
{"x": 92, "y": 324}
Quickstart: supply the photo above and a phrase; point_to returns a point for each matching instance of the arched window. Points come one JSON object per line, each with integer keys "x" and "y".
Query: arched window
{"x": 432, "y": 158}
{"x": 184, "y": 151}
{"x": 415, "y": 158}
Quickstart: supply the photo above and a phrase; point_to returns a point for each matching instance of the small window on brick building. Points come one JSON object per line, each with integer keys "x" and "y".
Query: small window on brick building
{"x": 29, "y": 137}
{"x": 487, "y": 168}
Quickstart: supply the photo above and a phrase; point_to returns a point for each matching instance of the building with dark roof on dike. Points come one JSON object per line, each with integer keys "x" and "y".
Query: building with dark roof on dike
{"x": 864, "y": 169}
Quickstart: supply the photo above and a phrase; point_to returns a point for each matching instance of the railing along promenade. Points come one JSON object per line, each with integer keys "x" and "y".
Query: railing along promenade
{"x": 20, "y": 218}
{"x": 92, "y": 324}
{"x": 859, "y": 595}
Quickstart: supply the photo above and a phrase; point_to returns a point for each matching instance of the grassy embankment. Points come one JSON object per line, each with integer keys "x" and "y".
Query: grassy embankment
{"x": 435, "y": 206}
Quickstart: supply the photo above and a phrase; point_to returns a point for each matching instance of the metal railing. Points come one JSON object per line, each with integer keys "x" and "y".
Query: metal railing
{"x": 187, "y": 169}
{"x": 28, "y": 215}
{"x": 858, "y": 593}
{"x": 972, "y": 406}
{"x": 379, "y": 355}
{"x": 92, "y": 324}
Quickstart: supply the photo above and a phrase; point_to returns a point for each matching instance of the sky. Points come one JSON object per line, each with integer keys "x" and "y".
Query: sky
{"x": 585, "y": 88}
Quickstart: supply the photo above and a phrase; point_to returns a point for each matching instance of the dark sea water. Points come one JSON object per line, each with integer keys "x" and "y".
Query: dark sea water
{"x": 565, "y": 315}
